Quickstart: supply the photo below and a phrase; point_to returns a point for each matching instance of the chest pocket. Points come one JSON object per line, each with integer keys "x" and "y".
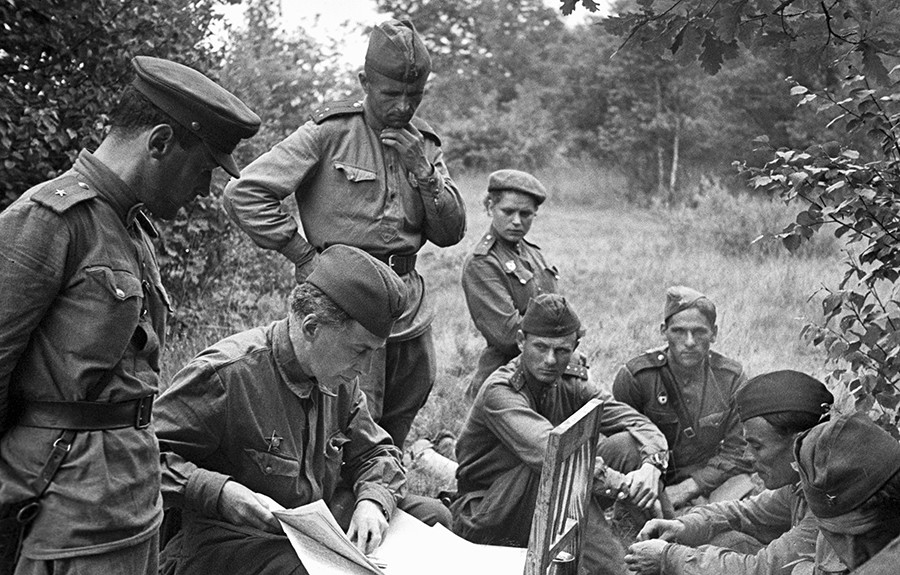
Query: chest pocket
{"x": 713, "y": 420}
{"x": 355, "y": 174}
{"x": 121, "y": 285}
{"x": 270, "y": 464}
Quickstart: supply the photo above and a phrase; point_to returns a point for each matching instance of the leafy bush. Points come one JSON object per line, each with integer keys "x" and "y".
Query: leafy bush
{"x": 740, "y": 224}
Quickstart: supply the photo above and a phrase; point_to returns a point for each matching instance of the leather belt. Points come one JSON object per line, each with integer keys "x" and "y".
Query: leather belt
{"x": 87, "y": 415}
{"x": 400, "y": 264}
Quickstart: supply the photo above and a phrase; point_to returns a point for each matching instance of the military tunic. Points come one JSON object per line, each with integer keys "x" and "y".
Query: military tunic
{"x": 244, "y": 409}
{"x": 712, "y": 450}
{"x": 501, "y": 452}
{"x": 82, "y": 309}
{"x": 777, "y": 517}
{"x": 351, "y": 189}
{"x": 499, "y": 278}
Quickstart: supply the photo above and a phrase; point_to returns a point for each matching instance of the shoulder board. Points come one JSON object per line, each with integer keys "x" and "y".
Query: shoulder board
{"x": 576, "y": 369}
{"x": 532, "y": 244}
{"x": 650, "y": 359}
{"x": 426, "y": 129}
{"x": 62, "y": 193}
{"x": 719, "y": 361}
{"x": 339, "y": 108}
{"x": 485, "y": 245}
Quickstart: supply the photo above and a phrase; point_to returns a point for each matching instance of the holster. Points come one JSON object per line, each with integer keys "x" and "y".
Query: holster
{"x": 15, "y": 521}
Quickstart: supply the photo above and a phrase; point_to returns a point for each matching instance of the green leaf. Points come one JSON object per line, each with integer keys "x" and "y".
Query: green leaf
{"x": 799, "y": 90}
{"x": 872, "y": 64}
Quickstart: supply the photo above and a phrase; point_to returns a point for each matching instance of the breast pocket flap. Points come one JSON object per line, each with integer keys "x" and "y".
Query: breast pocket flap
{"x": 355, "y": 174}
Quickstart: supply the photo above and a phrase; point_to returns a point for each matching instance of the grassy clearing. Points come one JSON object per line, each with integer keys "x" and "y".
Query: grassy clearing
{"x": 616, "y": 262}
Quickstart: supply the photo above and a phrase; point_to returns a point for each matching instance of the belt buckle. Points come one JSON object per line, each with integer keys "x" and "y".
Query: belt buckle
{"x": 391, "y": 262}
{"x": 689, "y": 433}
{"x": 143, "y": 411}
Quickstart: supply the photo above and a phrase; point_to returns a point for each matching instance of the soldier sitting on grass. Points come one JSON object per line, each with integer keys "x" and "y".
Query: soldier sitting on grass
{"x": 688, "y": 391}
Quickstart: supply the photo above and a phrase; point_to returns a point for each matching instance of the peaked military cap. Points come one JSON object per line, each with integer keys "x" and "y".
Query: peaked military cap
{"x": 550, "y": 315}
{"x": 367, "y": 289}
{"x": 680, "y": 298}
{"x": 516, "y": 181}
{"x": 844, "y": 462}
{"x": 397, "y": 51}
{"x": 781, "y": 391}
{"x": 208, "y": 110}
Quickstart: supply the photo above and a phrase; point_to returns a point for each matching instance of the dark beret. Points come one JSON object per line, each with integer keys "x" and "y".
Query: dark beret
{"x": 680, "y": 298}
{"x": 206, "y": 109}
{"x": 397, "y": 51}
{"x": 550, "y": 315}
{"x": 367, "y": 289}
{"x": 516, "y": 181}
{"x": 781, "y": 391}
{"x": 844, "y": 462}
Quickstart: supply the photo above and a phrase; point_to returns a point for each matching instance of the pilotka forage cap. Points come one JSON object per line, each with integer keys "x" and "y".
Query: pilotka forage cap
{"x": 680, "y": 298}
{"x": 516, "y": 181}
{"x": 781, "y": 391}
{"x": 844, "y": 462}
{"x": 550, "y": 315}
{"x": 397, "y": 51}
{"x": 367, "y": 289}
{"x": 208, "y": 110}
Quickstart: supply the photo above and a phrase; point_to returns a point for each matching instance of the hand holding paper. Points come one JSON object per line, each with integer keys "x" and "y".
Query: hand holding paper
{"x": 367, "y": 526}
{"x": 239, "y": 505}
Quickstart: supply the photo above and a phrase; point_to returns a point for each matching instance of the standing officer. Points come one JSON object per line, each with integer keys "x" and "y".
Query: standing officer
{"x": 371, "y": 175}
{"x": 505, "y": 271}
{"x": 82, "y": 323}
{"x": 688, "y": 391}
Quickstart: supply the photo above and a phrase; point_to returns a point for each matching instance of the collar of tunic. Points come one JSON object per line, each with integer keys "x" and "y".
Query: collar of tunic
{"x": 110, "y": 186}
{"x": 289, "y": 366}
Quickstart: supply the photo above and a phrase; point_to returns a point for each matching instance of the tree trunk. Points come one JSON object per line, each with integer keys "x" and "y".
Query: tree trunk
{"x": 660, "y": 148}
{"x": 673, "y": 175}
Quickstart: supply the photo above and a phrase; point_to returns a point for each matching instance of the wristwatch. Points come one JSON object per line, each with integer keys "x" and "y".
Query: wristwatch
{"x": 659, "y": 460}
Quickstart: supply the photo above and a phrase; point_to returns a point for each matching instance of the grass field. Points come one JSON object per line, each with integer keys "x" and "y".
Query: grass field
{"x": 616, "y": 261}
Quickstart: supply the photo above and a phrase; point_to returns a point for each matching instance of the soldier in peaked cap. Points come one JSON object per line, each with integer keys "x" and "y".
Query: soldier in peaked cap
{"x": 504, "y": 438}
{"x": 369, "y": 174}
{"x": 505, "y": 270}
{"x": 850, "y": 474}
{"x": 726, "y": 538}
{"x": 82, "y": 323}
{"x": 688, "y": 391}
{"x": 274, "y": 417}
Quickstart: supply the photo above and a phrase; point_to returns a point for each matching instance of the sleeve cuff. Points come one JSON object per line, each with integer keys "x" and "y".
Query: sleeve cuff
{"x": 298, "y": 250}
{"x": 381, "y": 496}
{"x": 203, "y": 490}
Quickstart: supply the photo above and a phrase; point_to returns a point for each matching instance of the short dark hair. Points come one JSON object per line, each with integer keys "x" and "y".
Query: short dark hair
{"x": 787, "y": 423}
{"x": 496, "y": 196}
{"x": 307, "y": 298}
{"x": 134, "y": 112}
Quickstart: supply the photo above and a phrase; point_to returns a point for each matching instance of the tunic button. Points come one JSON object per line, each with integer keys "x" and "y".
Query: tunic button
{"x": 268, "y": 469}
{"x": 661, "y": 357}
{"x": 119, "y": 293}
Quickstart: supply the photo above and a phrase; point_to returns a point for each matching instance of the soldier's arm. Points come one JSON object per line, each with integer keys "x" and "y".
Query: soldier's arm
{"x": 254, "y": 201}
{"x": 445, "y": 211}
{"x": 796, "y": 545}
{"x": 490, "y": 303}
{"x": 33, "y": 252}
{"x": 626, "y": 390}
{"x": 618, "y": 416}
{"x": 519, "y": 427}
{"x": 763, "y": 516}
{"x": 189, "y": 418}
{"x": 372, "y": 463}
